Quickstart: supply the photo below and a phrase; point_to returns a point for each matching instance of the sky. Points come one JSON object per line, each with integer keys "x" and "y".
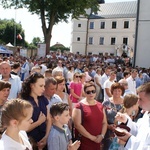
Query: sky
{"x": 32, "y": 25}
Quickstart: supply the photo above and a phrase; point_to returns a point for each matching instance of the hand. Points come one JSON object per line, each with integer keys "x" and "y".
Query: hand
{"x": 41, "y": 144}
{"x": 99, "y": 139}
{"x": 120, "y": 142}
{"x": 121, "y": 117}
{"x": 125, "y": 137}
{"x": 74, "y": 146}
{"x": 111, "y": 127}
{"x": 93, "y": 138}
{"x": 42, "y": 118}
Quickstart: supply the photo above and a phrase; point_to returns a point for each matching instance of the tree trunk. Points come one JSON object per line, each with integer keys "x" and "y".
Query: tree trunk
{"x": 47, "y": 41}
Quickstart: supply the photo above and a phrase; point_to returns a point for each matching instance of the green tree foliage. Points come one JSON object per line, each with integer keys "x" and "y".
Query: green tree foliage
{"x": 7, "y": 28}
{"x": 53, "y": 11}
{"x": 36, "y": 40}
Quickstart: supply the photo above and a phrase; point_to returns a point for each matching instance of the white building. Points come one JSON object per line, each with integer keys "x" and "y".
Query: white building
{"x": 111, "y": 31}
{"x": 142, "y": 44}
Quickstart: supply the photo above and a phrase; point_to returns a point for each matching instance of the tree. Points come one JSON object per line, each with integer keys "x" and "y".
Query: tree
{"x": 36, "y": 40}
{"x": 7, "y": 28}
{"x": 53, "y": 11}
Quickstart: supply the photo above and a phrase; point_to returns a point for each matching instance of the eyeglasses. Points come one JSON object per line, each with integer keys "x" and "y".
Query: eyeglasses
{"x": 77, "y": 76}
{"x": 91, "y": 92}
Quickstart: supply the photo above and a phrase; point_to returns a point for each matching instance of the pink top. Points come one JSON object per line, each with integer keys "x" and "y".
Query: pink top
{"x": 77, "y": 87}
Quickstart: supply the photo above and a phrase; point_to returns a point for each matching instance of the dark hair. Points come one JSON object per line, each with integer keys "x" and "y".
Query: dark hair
{"x": 4, "y": 84}
{"x": 14, "y": 109}
{"x": 26, "y": 89}
{"x": 16, "y": 65}
{"x": 117, "y": 86}
{"x": 89, "y": 84}
{"x": 126, "y": 73}
{"x": 58, "y": 109}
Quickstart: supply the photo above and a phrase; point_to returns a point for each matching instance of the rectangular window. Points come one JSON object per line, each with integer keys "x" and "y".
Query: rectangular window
{"x": 90, "y": 40}
{"x": 78, "y": 38}
{"x": 102, "y": 25}
{"x": 125, "y": 41}
{"x": 126, "y": 24}
{"x": 113, "y": 41}
{"x": 114, "y": 25}
{"x": 101, "y": 41}
{"x": 91, "y": 25}
{"x": 79, "y": 25}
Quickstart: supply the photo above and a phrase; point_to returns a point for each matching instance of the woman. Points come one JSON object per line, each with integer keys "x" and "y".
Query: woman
{"x": 97, "y": 81}
{"x": 63, "y": 95}
{"x": 130, "y": 109}
{"x": 4, "y": 93}
{"x": 75, "y": 89}
{"x": 112, "y": 106}
{"x": 92, "y": 123}
{"x": 32, "y": 90}
{"x": 16, "y": 118}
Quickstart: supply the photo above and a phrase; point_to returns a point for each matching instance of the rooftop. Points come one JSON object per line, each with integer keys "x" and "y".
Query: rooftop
{"x": 117, "y": 10}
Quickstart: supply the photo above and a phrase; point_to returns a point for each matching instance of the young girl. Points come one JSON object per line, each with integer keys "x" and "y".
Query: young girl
{"x": 16, "y": 118}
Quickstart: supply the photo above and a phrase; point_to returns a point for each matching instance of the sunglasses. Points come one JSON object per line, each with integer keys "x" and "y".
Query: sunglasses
{"x": 77, "y": 76}
{"x": 91, "y": 92}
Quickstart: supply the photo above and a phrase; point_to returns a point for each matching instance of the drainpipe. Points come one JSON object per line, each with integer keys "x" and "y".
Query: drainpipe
{"x": 136, "y": 32}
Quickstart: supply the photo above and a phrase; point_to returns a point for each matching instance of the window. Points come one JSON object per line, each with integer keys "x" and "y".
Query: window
{"x": 113, "y": 41}
{"x": 78, "y": 38}
{"x": 126, "y": 24}
{"x": 102, "y": 25}
{"x": 90, "y": 40}
{"x": 79, "y": 25}
{"x": 114, "y": 25}
{"x": 125, "y": 41}
{"x": 91, "y": 25}
{"x": 101, "y": 41}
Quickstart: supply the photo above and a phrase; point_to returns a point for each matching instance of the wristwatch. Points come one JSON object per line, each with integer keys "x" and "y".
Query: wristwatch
{"x": 102, "y": 135}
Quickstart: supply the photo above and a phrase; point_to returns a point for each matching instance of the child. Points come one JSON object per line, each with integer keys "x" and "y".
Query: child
{"x": 16, "y": 118}
{"x": 60, "y": 136}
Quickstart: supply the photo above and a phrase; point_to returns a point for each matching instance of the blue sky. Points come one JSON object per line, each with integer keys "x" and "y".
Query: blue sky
{"x": 32, "y": 25}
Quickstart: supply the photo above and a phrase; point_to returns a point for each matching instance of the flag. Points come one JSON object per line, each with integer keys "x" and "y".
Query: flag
{"x": 19, "y": 37}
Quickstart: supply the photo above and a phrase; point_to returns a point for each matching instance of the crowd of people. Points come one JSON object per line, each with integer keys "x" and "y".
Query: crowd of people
{"x": 70, "y": 101}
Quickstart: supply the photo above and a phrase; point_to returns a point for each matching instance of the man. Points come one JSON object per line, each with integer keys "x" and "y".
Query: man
{"x": 50, "y": 89}
{"x": 105, "y": 76}
{"x": 107, "y": 85}
{"x": 139, "y": 136}
{"x": 124, "y": 83}
{"x": 131, "y": 81}
{"x": 58, "y": 68}
{"x": 15, "y": 81}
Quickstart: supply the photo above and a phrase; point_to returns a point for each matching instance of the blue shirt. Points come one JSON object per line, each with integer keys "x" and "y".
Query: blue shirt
{"x": 39, "y": 132}
{"x": 55, "y": 99}
{"x": 58, "y": 138}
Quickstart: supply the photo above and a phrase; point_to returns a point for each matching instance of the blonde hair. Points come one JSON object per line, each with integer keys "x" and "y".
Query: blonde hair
{"x": 14, "y": 109}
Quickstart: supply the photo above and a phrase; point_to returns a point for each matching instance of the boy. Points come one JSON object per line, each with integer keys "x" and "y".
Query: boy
{"x": 60, "y": 136}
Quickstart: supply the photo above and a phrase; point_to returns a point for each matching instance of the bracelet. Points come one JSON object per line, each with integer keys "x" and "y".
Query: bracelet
{"x": 102, "y": 135}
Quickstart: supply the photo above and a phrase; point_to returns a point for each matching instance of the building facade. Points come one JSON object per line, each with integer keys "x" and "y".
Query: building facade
{"x": 111, "y": 31}
{"x": 142, "y": 45}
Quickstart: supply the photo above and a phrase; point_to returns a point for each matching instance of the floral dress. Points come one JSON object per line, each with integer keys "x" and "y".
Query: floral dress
{"x": 111, "y": 110}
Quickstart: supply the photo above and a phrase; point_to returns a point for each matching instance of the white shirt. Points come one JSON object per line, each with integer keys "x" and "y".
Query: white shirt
{"x": 103, "y": 79}
{"x": 107, "y": 84}
{"x": 131, "y": 84}
{"x": 140, "y": 139}
{"x": 7, "y": 143}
